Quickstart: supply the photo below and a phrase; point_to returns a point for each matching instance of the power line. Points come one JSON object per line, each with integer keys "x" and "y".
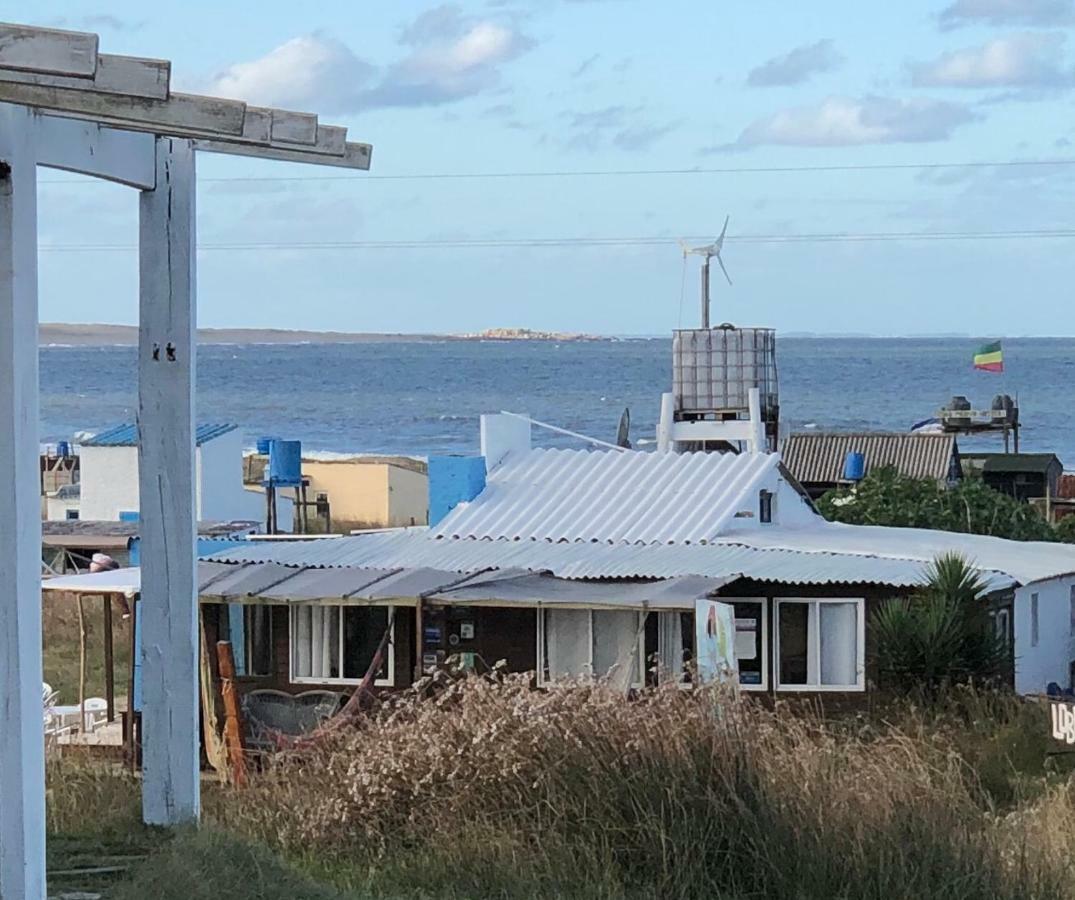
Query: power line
{"x": 595, "y": 242}
{"x": 624, "y": 173}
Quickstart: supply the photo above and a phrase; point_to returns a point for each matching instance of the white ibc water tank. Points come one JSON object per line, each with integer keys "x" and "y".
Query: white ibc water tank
{"x": 714, "y": 369}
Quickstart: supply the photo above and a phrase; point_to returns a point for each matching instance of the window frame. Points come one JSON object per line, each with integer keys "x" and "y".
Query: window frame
{"x": 1035, "y": 621}
{"x": 543, "y": 664}
{"x": 813, "y": 638}
{"x": 763, "y": 602}
{"x": 247, "y": 636}
{"x": 388, "y": 681}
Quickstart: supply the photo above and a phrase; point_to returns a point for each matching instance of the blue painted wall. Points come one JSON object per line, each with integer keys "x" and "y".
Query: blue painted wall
{"x": 453, "y": 480}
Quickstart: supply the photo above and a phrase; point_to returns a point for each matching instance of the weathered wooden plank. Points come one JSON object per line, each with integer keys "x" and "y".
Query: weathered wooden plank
{"x": 258, "y": 124}
{"x": 170, "y": 789}
{"x": 134, "y": 75}
{"x": 77, "y": 145}
{"x": 130, "y": 75}
{"x": 180, "y": 114}
{"x": 294, "y": 127}
{"x": 332, "y": 138}
{"x": 48, "y": 50}
{"x": 355, "y": 156}
{"x": 22, "y": 752}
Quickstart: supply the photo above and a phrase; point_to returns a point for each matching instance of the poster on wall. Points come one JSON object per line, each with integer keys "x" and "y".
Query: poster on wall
{"x": 714, "y": 638}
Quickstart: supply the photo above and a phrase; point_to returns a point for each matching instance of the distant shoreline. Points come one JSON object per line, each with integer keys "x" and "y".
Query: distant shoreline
{"x": 58, "y": 334}
{"x": 100, "y": 335}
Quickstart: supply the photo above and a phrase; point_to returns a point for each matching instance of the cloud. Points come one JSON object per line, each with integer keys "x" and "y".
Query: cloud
{"x": 585, "y": 66}
{"x": 1008, "y": 12}
{"x": 616, "y": 126}
{"x": 449, "y": 56}
{"x": 846, "y": 121}
{"x": 797, "y": 65}
{"x": 313, "y": 72}
{"x": 453, "y": 56}
{"x": 1032, "y": 59}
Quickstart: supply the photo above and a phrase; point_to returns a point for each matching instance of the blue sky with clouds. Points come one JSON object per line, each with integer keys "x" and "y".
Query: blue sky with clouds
{"x": 608, "y": 86}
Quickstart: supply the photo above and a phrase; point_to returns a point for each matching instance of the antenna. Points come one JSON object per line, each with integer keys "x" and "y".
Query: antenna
{"x": 708, "y": 252}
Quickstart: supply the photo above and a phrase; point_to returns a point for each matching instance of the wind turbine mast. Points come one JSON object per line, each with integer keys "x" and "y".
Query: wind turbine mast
{"x": 707, "y": 253}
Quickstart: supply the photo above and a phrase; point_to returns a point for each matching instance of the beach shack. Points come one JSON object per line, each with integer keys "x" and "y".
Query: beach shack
{"x": 586, "y": 563}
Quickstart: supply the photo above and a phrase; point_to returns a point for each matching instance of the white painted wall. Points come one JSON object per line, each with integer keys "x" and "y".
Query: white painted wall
{"x": 790, "y": 508}
{"x": 219, "y": 478}
{"x": 109, "y": 481}
{"x": 56, "y": 507}
{"x": 1036, "y": 666}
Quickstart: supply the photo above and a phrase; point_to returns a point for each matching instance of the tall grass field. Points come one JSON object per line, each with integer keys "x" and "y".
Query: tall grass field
{"x": 493, "y": 789}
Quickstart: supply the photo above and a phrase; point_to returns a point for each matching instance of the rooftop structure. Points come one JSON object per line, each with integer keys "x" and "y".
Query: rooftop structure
{"x": 127, "y": 435}
{"x": 817, "y": 458}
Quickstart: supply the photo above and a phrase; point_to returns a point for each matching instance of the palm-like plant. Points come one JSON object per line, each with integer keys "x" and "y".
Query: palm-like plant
{"x": 941, "y": 634}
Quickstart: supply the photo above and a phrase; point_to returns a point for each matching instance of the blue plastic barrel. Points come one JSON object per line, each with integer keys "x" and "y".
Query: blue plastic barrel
{"x": 63, "y": 449}
{"x": 263, "y": 445}
{"x": 855, "y": 466}
{"x": 285, "y": 462}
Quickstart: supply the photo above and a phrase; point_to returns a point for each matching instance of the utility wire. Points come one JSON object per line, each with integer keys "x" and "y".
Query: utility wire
{"x": 622, "y": 173}
{"x": 596, "y": 242}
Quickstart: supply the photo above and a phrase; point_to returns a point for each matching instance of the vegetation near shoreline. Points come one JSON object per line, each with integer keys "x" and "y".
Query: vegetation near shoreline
{"x": 495, "y": 790}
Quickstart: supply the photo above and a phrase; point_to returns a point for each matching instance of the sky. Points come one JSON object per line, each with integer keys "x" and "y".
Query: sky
{"x": 616, "y": 128}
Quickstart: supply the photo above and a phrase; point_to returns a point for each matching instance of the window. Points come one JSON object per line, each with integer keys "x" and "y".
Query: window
{"x": 1071, "y": 612}
{"x": 336, "y": 644}
{"x": 1033, "y": 620}
{"x": 249, "y": 628}
{"x": 752, "y": 643}
{"x": 1002, "y": 624}
{"x": 820, "y": 645}
{"x": 602, "y": 643}
{"x": 72, "y": 514}
{"x": 765, "y": 507}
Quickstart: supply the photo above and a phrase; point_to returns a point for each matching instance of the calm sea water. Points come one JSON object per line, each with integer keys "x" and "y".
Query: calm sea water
{"x": 421, "y": 398}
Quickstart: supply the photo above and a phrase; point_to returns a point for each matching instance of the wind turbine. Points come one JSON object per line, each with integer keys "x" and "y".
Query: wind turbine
{"x": 707, "y": 253}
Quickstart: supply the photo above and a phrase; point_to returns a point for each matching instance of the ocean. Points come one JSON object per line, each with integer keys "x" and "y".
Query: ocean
{"x": 425, "y": 397}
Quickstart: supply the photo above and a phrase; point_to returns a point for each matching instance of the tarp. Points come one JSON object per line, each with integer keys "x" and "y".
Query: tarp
{"x": 115, "y": 581}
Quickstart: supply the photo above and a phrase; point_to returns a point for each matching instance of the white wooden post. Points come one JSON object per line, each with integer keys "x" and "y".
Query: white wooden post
{"x": 166, "y": 348}
{"x": 22, "y": 742}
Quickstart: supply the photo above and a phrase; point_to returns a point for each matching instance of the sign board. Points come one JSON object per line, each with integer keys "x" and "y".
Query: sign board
{"x": 714, "y": 640}
{"x": 1063, "y": 718}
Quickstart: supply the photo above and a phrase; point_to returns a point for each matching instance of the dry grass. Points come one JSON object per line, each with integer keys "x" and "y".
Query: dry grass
{"x": 59, "y": 626}
{"x": 497, "y": 790}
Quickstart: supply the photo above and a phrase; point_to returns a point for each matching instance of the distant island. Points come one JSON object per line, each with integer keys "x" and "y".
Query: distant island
{"x": 527, "y": 334}
{"x": 99, "y": 335}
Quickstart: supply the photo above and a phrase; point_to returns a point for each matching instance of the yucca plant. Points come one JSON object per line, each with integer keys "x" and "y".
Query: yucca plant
{"x": 941, "y": 634}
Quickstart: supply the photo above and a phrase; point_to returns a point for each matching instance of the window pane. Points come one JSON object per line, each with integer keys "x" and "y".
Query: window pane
{"x": 794, "y": 628}
{"x": 363, "y": 629}
{"x": 301, "y": 617}
{"x": 257, "y": 626}
{"x": 839, "y": 643}
{"x": 670, "y": 649}
{"x": 615, "y": 643}
{"x": 748, "y": 642}
{"x": 567, "y": 642}
{"x": 1033, "y": 620}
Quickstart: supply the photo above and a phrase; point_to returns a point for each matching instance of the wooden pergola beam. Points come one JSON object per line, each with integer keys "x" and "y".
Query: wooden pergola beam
{"x": 133, "y": 93}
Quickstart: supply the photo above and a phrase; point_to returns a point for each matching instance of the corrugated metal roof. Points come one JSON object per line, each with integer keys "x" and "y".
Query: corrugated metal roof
{"x": 1008, "y": 463}
{"x": 127, "y": 435}
{"x": 629, "y": 497}
{"x": 584, "y": 560}
{"x": 818, "y": 457}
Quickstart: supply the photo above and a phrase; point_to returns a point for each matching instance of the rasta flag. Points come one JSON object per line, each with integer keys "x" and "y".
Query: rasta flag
{"x": 989, "y": 358}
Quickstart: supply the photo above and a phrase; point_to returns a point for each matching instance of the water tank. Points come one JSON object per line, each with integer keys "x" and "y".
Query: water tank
{"x": 854, "y": 466}
{"x": 63, "y": 449}
{"x": 959, "y": 402}
{"x": 714, "y": 369}
{"x": 263, "y": 445}
{"x": 285, "y": 463}
{"x": 1004, "y": 402}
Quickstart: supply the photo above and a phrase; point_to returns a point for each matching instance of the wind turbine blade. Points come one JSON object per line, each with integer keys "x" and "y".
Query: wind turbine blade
{"x": 723, "y": 231}
{"x": 725, "y": 271}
